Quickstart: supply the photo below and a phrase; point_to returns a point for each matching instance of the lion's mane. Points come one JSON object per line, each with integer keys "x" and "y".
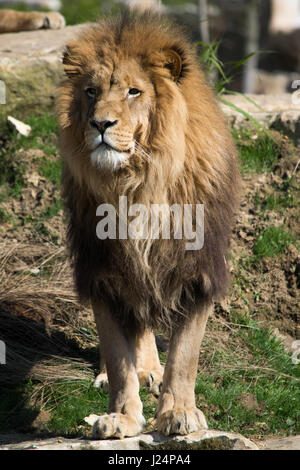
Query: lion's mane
{"x": 191, "y": 160}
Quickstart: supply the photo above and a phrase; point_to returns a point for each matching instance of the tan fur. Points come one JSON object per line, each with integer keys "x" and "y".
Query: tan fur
{"x": 170, "y": 145}
{"x": 12, "y": 21}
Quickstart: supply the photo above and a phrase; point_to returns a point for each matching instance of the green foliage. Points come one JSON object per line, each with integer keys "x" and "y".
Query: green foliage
{"x": 71, "y": 402}
{"x": 221, "y": 75}
{"x": 12, "y": 165}
{"x": 11, "y": 175}
{"x": 270, "y": 377}
{"x": 258, "y": 153}
{"x": 277, "y": 201}
{"x": 81, "y": 11}
{"x": 43, "y": 135}
{"x": 272, "y": 241}
{"x": 21, "y": 6}
{"x": 51, "y": 170}
{"x": 4, "y": 217}
{"x": 215, "y": 68}
{"x": 52, "y": 210}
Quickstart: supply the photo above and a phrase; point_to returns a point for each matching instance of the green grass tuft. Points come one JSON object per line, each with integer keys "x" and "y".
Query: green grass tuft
{"x": 51, "y": 170}
{"x": 270, "y": 377}
{"x": 70, "y": 403}
{"x": 256, "y": 155}
{"x": 272, "y": 241}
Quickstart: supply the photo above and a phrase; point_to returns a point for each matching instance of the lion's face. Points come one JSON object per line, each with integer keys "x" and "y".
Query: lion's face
{"x": 119, "y": 100}
{"x": 115, "y": 110}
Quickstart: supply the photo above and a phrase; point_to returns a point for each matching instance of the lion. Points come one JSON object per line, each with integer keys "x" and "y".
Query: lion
{"x": 12, "y": 21}
{"x": 138, "y": 120}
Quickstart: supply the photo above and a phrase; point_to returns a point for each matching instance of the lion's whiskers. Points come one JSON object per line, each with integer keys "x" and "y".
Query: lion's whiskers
{"x": 140, "y": 150}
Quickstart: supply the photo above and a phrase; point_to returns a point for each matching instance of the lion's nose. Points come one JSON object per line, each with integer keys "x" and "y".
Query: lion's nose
{"x": 102, "y": 125}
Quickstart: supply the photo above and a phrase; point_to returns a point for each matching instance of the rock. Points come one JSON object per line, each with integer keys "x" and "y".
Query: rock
{"x": 206, "y": 440}
{"x": 284, "y": 443}
{"x": 273, "y": 83}
{"x": 286, "y": 340}
{"x": 20, "y": 126}
{"x": 31, "y": 68}
{"x": 34, "y": 271}
{"x": 200, "y": 440}
{"x": 281, "y": 112}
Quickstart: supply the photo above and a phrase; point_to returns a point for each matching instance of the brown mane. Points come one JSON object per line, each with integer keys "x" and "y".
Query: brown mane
{"x": 190, "y": 160}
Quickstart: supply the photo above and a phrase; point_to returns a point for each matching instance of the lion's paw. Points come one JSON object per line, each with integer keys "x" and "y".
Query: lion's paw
{"x": 152, "y": 379}
{"x": 181, "y": 421}
{"x": 101, "y": 381}
{"x": 54, "y": 20}
{"x": 117, "y": 425}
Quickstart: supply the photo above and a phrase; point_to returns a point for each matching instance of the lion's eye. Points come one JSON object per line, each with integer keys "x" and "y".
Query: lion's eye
{"x": 91, "y": 92}
{"x": 133, "y": 92}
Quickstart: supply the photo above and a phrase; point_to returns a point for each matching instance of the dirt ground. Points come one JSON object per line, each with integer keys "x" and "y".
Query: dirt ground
{"x": 270, "y": 287}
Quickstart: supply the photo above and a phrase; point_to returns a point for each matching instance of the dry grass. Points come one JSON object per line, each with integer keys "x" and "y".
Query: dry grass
{"x": 41, "y": 319}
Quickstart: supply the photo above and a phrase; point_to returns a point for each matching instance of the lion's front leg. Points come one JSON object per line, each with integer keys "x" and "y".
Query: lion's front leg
{"x": 177, "y": 412}
{"x": 125, "y": 416}
{"x": 149, "y": 370}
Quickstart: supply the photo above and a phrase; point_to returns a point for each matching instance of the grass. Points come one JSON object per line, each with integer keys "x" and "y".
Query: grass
{"x": 43, "y": 135}
{"x": 258, "y": 152}
{"x": 259, "y": 367}
{"x": 18, "y": 160}
{"x": 81, "y": 11}
{"x": 4, "y": 216}
{"x": 51, "y": 170}
{"x": 272, "y": 241}
{"x": 74, "y": 11}
{"x": 12, "y": 165}
{"x": 52, "y": 210}
{"x": 277, "y": 201}
{"x": 70, "y": 403}
{"x": 11, "y": 176}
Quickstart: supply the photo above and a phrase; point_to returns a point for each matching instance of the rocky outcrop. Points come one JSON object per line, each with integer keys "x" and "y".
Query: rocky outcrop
{"x": 201, "y": 440}
{"x": 31, "y": 68}
{"x": 284, "y": 443}
{"x": 281, "y": 112}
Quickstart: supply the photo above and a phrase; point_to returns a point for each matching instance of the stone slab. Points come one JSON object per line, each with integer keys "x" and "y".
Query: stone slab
{"x": 31, "y": 68}
{"x": 200, "y": 440}
{"x": 284, "y": 443}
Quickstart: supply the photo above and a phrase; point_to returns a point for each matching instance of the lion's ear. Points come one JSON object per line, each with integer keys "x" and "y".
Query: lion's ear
{"x": 173, "y": 62}
{"x": 71, "y": 63}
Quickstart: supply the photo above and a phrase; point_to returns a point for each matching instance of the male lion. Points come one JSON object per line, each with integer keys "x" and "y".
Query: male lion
{"x": 138, "y": 120}
{"x": 12, "y": 21}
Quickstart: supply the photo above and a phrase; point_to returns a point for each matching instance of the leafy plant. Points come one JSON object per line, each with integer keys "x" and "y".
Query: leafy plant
{"x": 215, "y": 71}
